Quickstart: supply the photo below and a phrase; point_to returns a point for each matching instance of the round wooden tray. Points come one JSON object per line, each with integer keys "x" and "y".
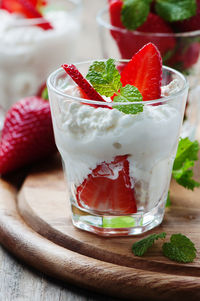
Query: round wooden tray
{"x": 35, "y": 225}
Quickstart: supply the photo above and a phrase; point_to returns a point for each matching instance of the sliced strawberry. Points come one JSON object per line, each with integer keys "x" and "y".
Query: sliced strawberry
{"x": 108, "y": 188}
{"x": 28, "y": 8}
{"x": 129, "y": 42}
{"x": 144, "y": 71}
{"x": 27, "y": 134}
{"x": 78, "y": 78}
{"x": 82, "y": 93}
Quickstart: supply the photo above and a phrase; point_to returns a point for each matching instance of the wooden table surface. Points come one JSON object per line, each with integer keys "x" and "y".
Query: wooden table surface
{"x": 19, "y": 282}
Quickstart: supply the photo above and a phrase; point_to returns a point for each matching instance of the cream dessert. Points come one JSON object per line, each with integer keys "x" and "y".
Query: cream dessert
{"x": 87, "y": 136}
{"x": 28, "y": 53}
{"x": 118, "y": 136}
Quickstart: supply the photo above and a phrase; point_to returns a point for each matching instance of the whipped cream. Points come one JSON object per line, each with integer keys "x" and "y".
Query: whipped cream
{"x": 172, "y": 88}
{"x": 28, "y": 53}
{"x": 86, "y": 136}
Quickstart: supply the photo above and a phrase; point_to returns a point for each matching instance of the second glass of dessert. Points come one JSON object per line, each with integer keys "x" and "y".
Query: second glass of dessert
{"x": 173, "y": 27}
{"x": 117, "y": 132}
{"x": 35, "y": 37}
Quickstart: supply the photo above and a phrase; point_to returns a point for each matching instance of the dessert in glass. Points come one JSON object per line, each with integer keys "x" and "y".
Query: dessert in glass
{"x": 118, "y": 151}
{"x": 35, "y": 37}
{"x": 177, "y": 41}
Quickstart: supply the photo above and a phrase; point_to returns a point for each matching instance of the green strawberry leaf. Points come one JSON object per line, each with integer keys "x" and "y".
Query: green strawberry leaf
{"x": 129, "y": 94}
{"x": 186, "y": 156}
{"x": 176, "y": 10}
{"x": 104, "y": 77}
{"x": 140, "y": 247}
{"x": 134, "y": 13}
{"x": 180, "y": 249}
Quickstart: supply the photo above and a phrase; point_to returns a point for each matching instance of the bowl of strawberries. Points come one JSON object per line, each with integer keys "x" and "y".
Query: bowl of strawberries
{"x": 173, "y": 26}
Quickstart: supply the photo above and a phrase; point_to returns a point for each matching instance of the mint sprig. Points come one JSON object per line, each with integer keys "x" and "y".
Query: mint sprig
{"x": 129, "y": 93}
{"x": 140, "y": 247}
{"x": 182, "y": 171}
{"x": 134, "y": 13}
{"x": 179, "y": 249}
{"x": 105, "y": 79}
{"x": 176, "y": 10}
{"x": 186, "y": 156}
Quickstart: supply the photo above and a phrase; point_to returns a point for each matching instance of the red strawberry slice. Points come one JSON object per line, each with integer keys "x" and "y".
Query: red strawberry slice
{"x": 144, "y": 71}
{"x": 27, "y": 134}
{"x": 28, "y": 9}
{"x": 82, "y": 93}
{"x": 129, "y": 42}
{"x": 78, "y": 78}
{"x": 108, "y": 188}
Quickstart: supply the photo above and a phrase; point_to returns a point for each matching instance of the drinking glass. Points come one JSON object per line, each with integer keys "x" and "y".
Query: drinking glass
{"x": 180, "y": 51}
{"x": 28, "y": 53}
{"x": 117, "y": 166}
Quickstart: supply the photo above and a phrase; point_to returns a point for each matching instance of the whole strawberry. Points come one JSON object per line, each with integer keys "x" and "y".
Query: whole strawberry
{"x": 27, "y": 134}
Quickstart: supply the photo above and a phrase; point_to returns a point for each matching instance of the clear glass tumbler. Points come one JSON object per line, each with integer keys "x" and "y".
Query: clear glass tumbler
{"x": 118, "y": 166}
{"x": 28, "y": 53}
{"x": 180, "y": 51}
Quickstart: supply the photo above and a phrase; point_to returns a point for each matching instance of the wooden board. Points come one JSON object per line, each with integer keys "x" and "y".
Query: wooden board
{"x": 44, "y": 237}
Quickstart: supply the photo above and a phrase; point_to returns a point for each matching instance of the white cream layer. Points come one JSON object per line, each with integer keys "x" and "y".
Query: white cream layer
{"x": 87, "y": 136}
{"x": 28, "y": 53}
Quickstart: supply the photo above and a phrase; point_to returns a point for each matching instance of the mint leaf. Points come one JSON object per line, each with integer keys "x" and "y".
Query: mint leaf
{"x": 134, "y": 13}
{"x": 187, "y": 181}
{"x": 140, "y": 247}
{"x": 104, "y": 77}
{"x": 186, "y": 150}
{"x": 186, "y": 156}
{"x": 180, "y": 249}
{"x": 129, "y": 93}
{"x": 176, "y": 10}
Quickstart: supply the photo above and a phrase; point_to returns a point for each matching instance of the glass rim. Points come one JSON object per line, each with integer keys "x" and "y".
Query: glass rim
{"x": 42, "y": 20}
{"x": 164, "y": 99}
{"x": 103, "y": 23}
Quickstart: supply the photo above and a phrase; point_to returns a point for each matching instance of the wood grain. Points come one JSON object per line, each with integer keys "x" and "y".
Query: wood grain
{"x": 44, "y": 206}
{"x": 90, "y": 273}
{"x": 95, "y": 263}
